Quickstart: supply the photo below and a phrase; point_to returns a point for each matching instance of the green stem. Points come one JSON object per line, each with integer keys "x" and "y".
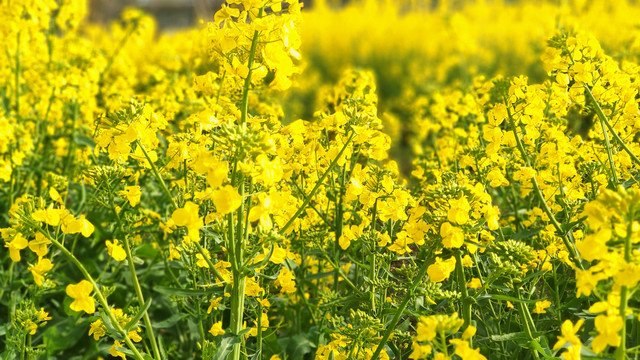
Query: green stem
{"x": 239, "y": 277}
{"x": 209, "y": 262}
{"x": 318, "y": 183}
{"x": 136, "y": 283}
{"x": 565, "y": 236}
{"x": 101, "y": 299}
{"x": 462, "y": 287}
{"x": 244, "y": 106}
{"x": 391, "y": 326}
{"x": 605, "y": 120}
{"x": 154, "y": 169}
{"x": 621, "y": 352}
{"x": 17, "y": 77}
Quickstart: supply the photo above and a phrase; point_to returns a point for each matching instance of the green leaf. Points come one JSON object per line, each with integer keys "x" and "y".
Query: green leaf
{"x": 525, "y": 234}
{"x": 508, "y": 298}
{"x": 134, "y": 320}
{"x": 515, "y": 336}
{"x": 184, "y": 292}
{"x": 63, "y": 335}
{"x": 629, "y": 183}
{"x": 263, "y": 262}
{"x": 226, "y": 346}
{"x": 169, "y": 322}
{"x": 571, "y": 225}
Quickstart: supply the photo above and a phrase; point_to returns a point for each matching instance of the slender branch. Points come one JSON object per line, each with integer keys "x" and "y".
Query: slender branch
{"x": 392, "y": 325}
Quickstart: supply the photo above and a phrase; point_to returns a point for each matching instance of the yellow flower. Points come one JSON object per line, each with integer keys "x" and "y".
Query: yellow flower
{"x": 541, "y": 307}
{"x": 608, "y": 327}
{"x": 440, "y": 270}
{"x": 39, "y": 245}
{"x": 39, "y": 269}
{"x": 202, "y": 262}
{"x": 216, "y": 329}
{"x": 278, "y": 255}
{"x": 80, "y": 225}
{"x": 133, "y": 194}
{"x": 114, "y": 352}
{"x": 97, "y": 329}
{"x": 48, "y": 216}
{"x": 214, "y": 304}
{"x": 492, "y": 216}
{"x": 452, "y": 236}
{"x": 475, "y": 283}
{"x": 568, "y": 334}
{"x": 459, "y": 210}
{"x": 80, "y": 293}
{"x": 226, "y": 199}
{"x": 174, "y": 254}
{"x": 188, "y": 216}
{"x": 15, "y": 245}
{"x": 115, "y": 250}
{"x": 286, "y": 280}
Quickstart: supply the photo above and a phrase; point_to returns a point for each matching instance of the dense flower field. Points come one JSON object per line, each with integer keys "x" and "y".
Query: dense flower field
{"x": 381, "y": 180}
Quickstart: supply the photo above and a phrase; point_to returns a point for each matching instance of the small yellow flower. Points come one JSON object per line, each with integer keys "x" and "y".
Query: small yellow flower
{"x": 80, "y": 293}
{"x": 608, "y": 327}
{"x": 133, "y": 194}
{"x": 452, "y": 236}
{"x": 441, "y": 269}
{"x": 114, "y": 352}
{"x": 97, "y": 329}
{"x": 18, "y": 243}
{"x": 202, "y": 262}
{"x": 216, "y": 329}
{"x": 541, "y": 307}
{"x": 39, "y": 269}
{"x": 475, "y": 283}
{"x": 226, "y": 199}
{"x": 115, "y": 250}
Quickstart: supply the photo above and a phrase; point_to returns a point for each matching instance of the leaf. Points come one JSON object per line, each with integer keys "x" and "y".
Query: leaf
{"x": 515, "y": 336}
{"x": 525, "y": 234}
{"x": 184, "y": 292}
{"x": 508, "y": 298}
{"x": 134, "y": 320}
{"x": 319, "y": 275}
{"x": 567, "y": 227}
{"x": 169, "y": 322}
{"x": 544, "y": 352}
{"x": 62, "y": 336}
{"x": 298, "y": 346}
{"x": 263, "y": 261}
{"x": 226, "y": 346}
{"x": 629, "y": 183}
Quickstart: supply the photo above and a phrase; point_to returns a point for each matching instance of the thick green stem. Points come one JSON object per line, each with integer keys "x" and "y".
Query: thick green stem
{"x": 318, "y": 184}
{"x": 605, "y": 120}
{"x": 528, "y": 325}
{"x": 136, "y": 285}
{"x": 154, "y": 169}
{"x": 101, "y": 299}
{"x": 407, "y": 297}
{"x": 17, "y": 77}
{"x": 239, "y": 276}
{"x": 621, "y": 352}
{"x": 462, "y": 287}
{"x": 564, "y": 235}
